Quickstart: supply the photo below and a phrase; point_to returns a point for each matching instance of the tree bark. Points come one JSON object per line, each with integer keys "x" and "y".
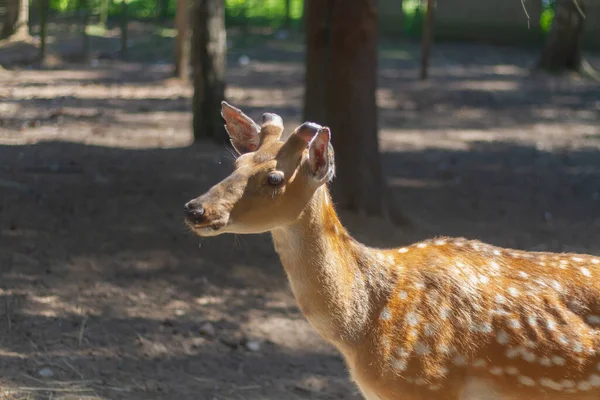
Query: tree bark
{"x": 341, "y": 84}
{"x": 16, "y": 19}
{"x": 562, "y": 50}
{"x": 182, "y": 42}
{"x": 44, "y": 5}
{"x": 427, "y": 39}
{"x": 208, "y": 63}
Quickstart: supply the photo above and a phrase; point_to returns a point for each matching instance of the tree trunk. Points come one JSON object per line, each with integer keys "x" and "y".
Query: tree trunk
{"x": 104, "y": 5}
{"x": 85, "y": 42}
{"x": 124, "y": 26}
{"x": 427, "y": 39}
{"x": 164, "y": 10}
{"x": 182, "y": 42}
{"x": 208, "y": 63}
{"x": 562, "y": 50}
{"x": 341, "y": 83}
{"x": 16, "y": 20}
{"x": 44, "y": 5}
{"x": 287, "y": 21}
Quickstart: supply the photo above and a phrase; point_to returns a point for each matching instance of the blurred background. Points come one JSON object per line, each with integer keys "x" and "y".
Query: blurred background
{"x": 474, "y": 118}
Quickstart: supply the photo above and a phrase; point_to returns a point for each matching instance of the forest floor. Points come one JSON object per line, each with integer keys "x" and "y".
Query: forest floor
{"x": 105, "y": 294}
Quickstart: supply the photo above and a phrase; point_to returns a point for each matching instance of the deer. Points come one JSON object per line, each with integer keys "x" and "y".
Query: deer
{"x": 445, "y": 318}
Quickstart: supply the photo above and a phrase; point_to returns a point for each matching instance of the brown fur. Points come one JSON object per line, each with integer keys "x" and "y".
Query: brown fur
{"x": 447, "y": 318}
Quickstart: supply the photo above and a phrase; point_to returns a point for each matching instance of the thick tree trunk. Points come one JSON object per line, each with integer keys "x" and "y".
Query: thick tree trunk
{"x": 562, "y": 50}
{"x": 208, "y": 63}
{"x": 182, "y": 42}
{"x": 427, "y": 39}
{"x": 341, "y": 83}
{"x": 16, "y": 19}
{"x": 44, "y": 5}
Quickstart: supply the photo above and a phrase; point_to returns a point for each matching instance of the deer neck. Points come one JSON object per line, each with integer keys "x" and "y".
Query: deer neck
{"x": 323, "y": 264}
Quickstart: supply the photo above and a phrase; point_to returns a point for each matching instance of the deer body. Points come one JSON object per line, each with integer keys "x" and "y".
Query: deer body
{"x": 446, "y": 318}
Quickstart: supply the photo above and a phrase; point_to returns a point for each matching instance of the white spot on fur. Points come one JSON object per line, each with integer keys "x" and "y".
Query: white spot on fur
{"x": 402, "y": 250}
{"x": 429, "y": 330}
{"x": 545, "y": 361}
{"x": 496, "y": 371}
{"x": 497, "y": 252}
{"x": 386, "y": 314}
{"x": 514, "y": 323}
{"x": 422, "y": 245}
{"x": 444, "y": 312}
{"x": 558, "y": 360}
{"x": 402, "y": 352}
{"x": 577, "y": 259}
{"x": 586, "y": 272}
{"x": 442, "y": 348}
{"x": 422, "y": 348}
{"x": 513, "y": 292}
{"x": 484, "y": 279}
{"x": 532, "y": 321}
{"x": 402, "y": 295}
{"x": 502, "y": 337}
{"x": 595, "y": 261}
{"x": 595, "y": 380}
{"x": 594, "y": 319}
{"x": 550, "y": 384}
{"x": 513, "y": 352}
{"x": 459, "y": 360}
{"x": 479, "y": 363}
{"x": 523, "y": 274}
{"x": 527, "y": 381}
{"x": 529, "y": 356}
{"x": 550, "y": 324}
{"x": 412, "y": 318}
{"x": 400, "y": 365}
{"x": 440, "y": 242}
{"x": 567, "y": 383}
{"x": 495, "y": 265}
{"x": 500, "y": 299}
{"x": 584, "y": 386}
{"x": 512, "y": 371}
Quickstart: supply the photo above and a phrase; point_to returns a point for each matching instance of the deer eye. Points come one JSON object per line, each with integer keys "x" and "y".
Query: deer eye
{"x": 275, "y": 178}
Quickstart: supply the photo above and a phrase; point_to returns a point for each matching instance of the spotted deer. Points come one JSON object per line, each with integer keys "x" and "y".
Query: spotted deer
{"x": 445, "y": 318}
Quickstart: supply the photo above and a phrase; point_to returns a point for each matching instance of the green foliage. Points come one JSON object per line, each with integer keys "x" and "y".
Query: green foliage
{"x": 261, "y": 12}
{"x": 414, "y": 16}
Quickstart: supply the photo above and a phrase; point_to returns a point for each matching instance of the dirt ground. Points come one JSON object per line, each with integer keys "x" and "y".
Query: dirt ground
{"x": 105, "y": 294}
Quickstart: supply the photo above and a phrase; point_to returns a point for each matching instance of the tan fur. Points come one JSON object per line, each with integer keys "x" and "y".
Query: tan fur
{"x": 446, "y": 318}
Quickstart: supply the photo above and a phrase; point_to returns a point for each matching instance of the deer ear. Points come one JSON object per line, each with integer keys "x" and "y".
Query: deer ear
{"x": 243, "y": 132}
{"x": 320, "y": 156}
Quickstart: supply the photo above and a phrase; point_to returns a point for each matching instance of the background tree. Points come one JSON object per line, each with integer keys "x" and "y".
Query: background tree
{"x": 85, "y": 38}
{"x": 562, "y": 50}
{"x": 208, "y": 67}
{"x": 341, "y": 83}
{"x": 182, "y": 41}
{"x": 124, "y": 28}
{"x": 16, "y": 19}
{"x": 427, "y": 39}
{"x": 44, "y": 6}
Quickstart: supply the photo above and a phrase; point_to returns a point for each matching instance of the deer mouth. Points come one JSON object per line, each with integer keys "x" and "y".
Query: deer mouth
{"x": 208, "y": 228}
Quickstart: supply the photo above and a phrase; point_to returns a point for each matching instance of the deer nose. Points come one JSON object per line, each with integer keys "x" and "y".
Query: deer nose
{"x": 194, "y": 212}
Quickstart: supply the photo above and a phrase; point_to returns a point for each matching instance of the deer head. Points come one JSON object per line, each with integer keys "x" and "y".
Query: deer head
{"x": 272, "y": 181}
